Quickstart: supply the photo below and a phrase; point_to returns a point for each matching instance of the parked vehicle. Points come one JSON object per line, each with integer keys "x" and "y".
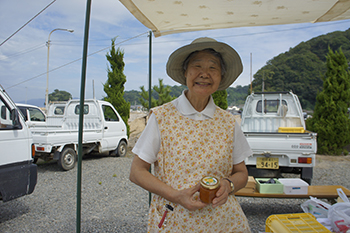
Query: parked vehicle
{"x": 18, "y": 174}
{"x": 56, "y": 108}
{"x": 103, "y": 131}
{"x": 274, "y": 126}
{"x": 33, "y": 115}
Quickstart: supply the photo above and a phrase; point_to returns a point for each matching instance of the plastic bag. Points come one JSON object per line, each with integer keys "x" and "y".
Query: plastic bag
{"x": 339, "y": 215}
{"x": 316, "y": 207}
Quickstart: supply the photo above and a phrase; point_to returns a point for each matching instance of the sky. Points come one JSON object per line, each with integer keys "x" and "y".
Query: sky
{"x": 23, "y": 57}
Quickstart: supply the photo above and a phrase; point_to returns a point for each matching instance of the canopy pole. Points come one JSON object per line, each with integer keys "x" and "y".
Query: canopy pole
{"x": 150, "y": 72}
{"x": 81, "y": 112}
{"x": 150, "y": 92}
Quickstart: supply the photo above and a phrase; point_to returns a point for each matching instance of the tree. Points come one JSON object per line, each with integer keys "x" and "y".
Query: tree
{"x": 132, "y": 97}
{"x": 114, "y": 87}
{"x": 237, "y": 95}
{"x": 177, "y": 90}
{"x": 330, "y": 119}
{"x": 58, "y": 95}
{"x": 160, "y": 95}
{"x": 220, "y": 99}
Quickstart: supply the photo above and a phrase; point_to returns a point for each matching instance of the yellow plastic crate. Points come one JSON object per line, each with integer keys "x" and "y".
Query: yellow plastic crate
{"x": 291, "y": 130}
{"x": 292, "y": 223}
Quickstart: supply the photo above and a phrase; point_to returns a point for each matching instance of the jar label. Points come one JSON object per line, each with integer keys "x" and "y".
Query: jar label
{"x": 210, "y": 180}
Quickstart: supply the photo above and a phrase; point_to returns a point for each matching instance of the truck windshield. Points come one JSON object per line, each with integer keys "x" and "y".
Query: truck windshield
{"x": 36, "y": 114}
{"x": 270, "y": 106}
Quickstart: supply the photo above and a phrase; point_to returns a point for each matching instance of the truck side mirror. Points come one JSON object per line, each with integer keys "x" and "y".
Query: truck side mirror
{"x": 15, "y": 119}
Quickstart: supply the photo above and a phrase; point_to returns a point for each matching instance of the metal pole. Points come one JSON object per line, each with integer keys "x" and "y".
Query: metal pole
{"x": 150, "y": 92}
{"x": 81, "y": 112}
{"x": 93, "y": 89}
{"x": 47, "y": 72}
{"x": 47, "y": 65}
{"x": 251, "y": 79}
{"x": 150, "y": 72}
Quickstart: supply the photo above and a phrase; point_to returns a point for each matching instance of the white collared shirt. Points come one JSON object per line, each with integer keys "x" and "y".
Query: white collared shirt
{"x": 148, "y": 145}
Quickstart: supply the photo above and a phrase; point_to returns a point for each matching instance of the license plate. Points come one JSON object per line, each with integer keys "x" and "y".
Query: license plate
{"x": 267, "y": 163}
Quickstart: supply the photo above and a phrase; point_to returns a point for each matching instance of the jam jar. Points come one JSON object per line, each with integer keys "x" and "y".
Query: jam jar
{"x": 209, "y": 187}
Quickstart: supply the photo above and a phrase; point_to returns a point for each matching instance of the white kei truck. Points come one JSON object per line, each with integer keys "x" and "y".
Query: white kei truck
{"x": 18, "y": 173}
{"x": 103, "y": 131}
{"x": 274, "y": 125}
{"x": 33, "y": 115}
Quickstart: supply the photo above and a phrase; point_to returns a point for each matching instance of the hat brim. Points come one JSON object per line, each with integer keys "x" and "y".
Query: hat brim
{"x": 231, "y": 58}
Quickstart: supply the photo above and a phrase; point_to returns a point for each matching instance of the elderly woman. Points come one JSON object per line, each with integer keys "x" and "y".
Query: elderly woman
{"x": 190, "y": 138}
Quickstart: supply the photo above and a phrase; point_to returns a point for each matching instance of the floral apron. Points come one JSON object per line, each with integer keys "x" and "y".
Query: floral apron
{"x": 191, "y": 149}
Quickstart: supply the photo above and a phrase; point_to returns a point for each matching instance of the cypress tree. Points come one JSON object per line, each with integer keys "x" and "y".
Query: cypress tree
{"x": 330, "y": 119}
{"x": 114, "y": 87}
{"x": 160, "y": 95}
{"x": 220, "y": 99}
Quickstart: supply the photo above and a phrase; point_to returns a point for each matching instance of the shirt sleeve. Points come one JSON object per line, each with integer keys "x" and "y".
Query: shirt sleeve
{"x": 148, "y": 145}
{"x": 241, "y": 148}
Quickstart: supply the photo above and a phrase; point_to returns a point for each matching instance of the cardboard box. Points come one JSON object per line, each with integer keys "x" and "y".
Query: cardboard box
{"x": 294, "y": 186}
{"x": 268, "y": 188}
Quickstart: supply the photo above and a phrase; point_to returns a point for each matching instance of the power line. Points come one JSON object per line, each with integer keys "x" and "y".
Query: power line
{"x": 247, "y": 34}
{"x": 27, "y": 23}
{"x": 59, "y": 67}
{"x": 64, "y": 42}
{"x": 36, "y": 47}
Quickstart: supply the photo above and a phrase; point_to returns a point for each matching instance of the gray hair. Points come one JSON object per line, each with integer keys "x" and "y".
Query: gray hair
{"x": 211, "y": 51}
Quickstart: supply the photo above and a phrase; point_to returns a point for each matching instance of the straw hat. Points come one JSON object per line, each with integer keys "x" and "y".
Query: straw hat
{"x": 231, "y": 59}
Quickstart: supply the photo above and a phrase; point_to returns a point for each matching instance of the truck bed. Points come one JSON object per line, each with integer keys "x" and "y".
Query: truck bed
{"x": 283, "y": 145}
{"x": 67, "y": 131}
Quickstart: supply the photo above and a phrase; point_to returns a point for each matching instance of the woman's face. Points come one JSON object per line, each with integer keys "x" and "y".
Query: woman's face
{"x": 203, "y": 74}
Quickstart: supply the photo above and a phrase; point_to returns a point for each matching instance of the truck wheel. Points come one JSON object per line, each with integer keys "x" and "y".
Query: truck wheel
{"x": 122, "y": 148}
{"x": 307, "y": 180}
{"x": 67, "y": 159}
{"x": 306, "y": 174}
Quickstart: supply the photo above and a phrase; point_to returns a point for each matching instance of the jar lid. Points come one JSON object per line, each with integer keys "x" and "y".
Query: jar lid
{"x": 210, "y": 182}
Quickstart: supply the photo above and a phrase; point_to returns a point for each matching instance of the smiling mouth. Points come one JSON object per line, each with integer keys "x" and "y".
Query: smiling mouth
{"x": 202, "y": 84}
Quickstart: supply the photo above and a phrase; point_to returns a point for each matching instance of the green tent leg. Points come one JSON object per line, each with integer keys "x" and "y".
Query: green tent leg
{"x": 81, "y": 112}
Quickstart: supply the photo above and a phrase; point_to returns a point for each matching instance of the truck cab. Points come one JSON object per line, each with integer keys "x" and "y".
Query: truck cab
{"x": 33, "y": 115}
{"x": 18, "y": 174}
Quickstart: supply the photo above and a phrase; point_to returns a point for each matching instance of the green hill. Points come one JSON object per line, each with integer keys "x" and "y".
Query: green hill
{"x": 302, "y": 68}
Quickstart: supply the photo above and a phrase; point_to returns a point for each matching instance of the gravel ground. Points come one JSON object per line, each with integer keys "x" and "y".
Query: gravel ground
{"x": 111, "y": 203}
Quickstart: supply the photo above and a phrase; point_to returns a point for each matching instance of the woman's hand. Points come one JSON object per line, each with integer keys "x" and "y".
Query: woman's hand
{"x": 222, "y": 193}
{"x": 239, "y": 177}
{"x": 186, "y": 198}
{"x": 140, "y": 175}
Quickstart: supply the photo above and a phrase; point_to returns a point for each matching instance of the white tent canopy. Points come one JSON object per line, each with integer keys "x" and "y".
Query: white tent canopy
{"x": 171, "y": 16}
